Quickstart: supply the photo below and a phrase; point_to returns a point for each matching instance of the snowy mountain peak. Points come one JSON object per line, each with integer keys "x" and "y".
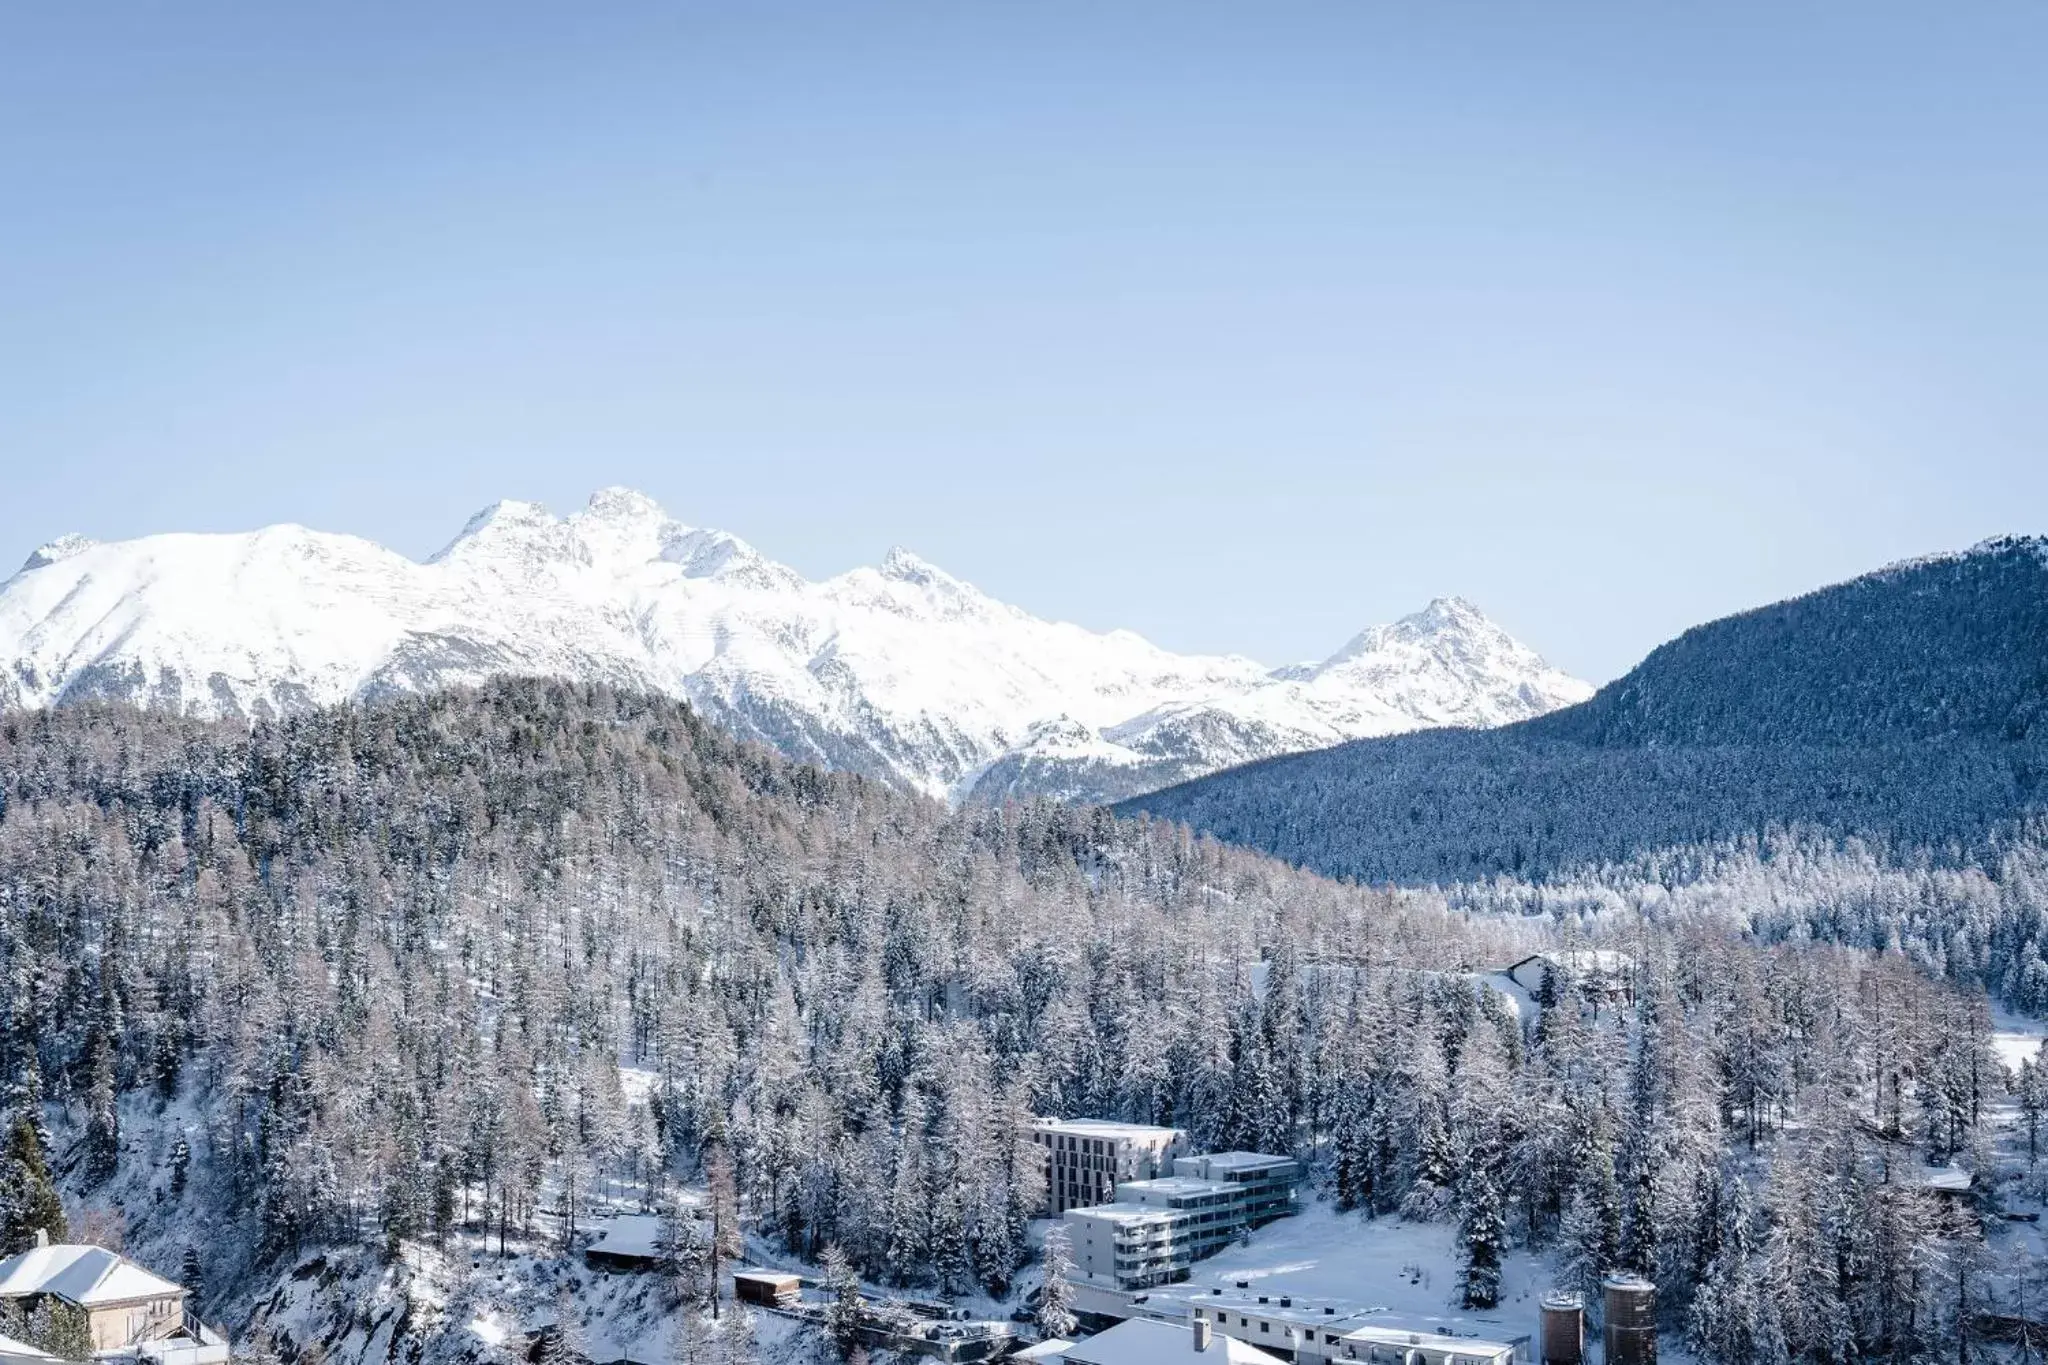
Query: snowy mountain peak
{"x": 63, "y": 547}
{"x": 618, "y": 505}
{"x": 900, "y": 670}
{"x": 1447, "y": 613}
{"x": 905, "y": 567}
{"x": 507, "y": 522}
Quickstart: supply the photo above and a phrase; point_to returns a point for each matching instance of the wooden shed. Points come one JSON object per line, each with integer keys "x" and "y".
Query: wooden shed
{"x": 769, "y": 1288}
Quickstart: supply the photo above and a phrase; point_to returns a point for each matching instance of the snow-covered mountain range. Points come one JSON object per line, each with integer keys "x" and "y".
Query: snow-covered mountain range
{"x": 898, "y": 670}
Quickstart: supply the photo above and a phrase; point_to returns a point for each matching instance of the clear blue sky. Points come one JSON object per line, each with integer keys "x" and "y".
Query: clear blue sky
{"x": 1240, "y": 325}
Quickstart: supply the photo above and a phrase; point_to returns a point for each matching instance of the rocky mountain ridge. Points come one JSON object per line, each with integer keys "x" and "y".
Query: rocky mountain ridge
{"x": 897, "y": 670}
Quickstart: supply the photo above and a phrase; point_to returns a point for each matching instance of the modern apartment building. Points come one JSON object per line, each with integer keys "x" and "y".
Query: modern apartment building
{"x": 1087, "y": 1159}
{"x": 1268, "y": 1185}
{"x": 1155, "y": 1229}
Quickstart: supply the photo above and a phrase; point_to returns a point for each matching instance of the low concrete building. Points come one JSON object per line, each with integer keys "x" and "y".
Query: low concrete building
{"x": 1086, "y": 1159}
{"x": 1313, "y": 1331}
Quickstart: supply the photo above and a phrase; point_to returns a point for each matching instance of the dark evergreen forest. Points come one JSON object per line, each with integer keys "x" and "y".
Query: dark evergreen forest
{"x": 1900, "y": 718}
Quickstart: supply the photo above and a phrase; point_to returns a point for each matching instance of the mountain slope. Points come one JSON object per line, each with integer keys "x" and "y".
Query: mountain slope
{"x": 1909, "y": 706}
{"x": 898, "y": 671}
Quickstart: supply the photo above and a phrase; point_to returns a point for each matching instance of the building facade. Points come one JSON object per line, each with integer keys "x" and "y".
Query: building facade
{"x": 1268, "y": 1186}
{"x": 1087, "y": 1159}
{"x": 127, "y": 1310}
{"x": 1333, "y": 1332}
{"x": 1156, "y": 1229}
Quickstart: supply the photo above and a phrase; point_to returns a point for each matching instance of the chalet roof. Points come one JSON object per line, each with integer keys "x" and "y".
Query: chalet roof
{"x": 1143, "y": 1341}
{"x": 635, "y": 1235}
{"x": 82, "y": 1275}
{"x": 14, "y": 1352}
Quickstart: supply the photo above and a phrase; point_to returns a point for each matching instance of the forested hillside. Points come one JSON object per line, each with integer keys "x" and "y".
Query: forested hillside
{"x": 375, "y": 996}
{"x": 1908, "y": 708}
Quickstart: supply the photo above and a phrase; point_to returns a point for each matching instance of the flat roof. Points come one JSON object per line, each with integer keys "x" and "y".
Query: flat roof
{"x": 1358, "y": 1320}
{"x": 1241, "y": 1161}
{"x": 1396, "y": 1333}
{"x": 1177, "y": 1184}
{"x": 1325, "y": 1315}
{"x": 1121, "y": 1212}
{"x": 1103, "y": 1128}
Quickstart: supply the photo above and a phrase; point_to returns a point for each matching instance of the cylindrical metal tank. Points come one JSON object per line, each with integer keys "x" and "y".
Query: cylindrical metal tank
{"x": 1563, "y": 1335}
{"x": 1630, "y": 1335}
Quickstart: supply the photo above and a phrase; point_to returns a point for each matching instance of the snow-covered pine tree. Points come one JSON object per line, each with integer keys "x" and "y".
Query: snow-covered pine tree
{"x": 1055, "y": 1315}
{"x": 842, "y": 1301}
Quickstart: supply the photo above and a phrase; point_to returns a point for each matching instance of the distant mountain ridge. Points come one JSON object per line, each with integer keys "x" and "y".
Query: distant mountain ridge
{"x": 898, "y": 670}
{"x": 1908, "y": 706}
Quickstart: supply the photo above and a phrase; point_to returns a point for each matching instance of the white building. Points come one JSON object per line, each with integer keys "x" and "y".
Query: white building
{"x": 128, "y": 1311}
{"x": 1329, "y": 1332}
{"x": 1086, "y": 1159}
{"x": 1142, "y": 1341}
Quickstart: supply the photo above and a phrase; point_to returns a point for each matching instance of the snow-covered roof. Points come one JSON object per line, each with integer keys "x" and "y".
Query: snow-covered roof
{"x": 1395, "y": 1333}
{"x": 630, "y": 1234}
{"x": 14, "y": 1352}
{"x": 1943, "y": 1179}
{"x": 1052, "y": 1348}
{"x": 1583, "y": 961}
{"x": 1236, "y": 1161}
{"x": 1338, "y": 1315}
{"x": 1105, "y": 1128}
{"x": 1168, "y": 1186}
{"x": 1121, "y": 1212}
{"x": 86, "y": 1276}
{"x": 1143, "y": 1341}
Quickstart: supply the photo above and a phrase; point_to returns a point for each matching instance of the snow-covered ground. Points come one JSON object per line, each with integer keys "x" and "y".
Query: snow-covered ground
{"x": 1408, "y": 1268}
{"x": 2015, "y": 1037}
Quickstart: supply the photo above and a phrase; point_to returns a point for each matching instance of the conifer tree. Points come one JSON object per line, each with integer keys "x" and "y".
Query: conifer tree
{"x": 1055, "y": 1315}
{"x": 29, "y": 1202}
{"x": 843, "y": 1310}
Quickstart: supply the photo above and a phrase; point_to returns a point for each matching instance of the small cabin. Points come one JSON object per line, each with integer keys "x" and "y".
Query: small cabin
{"x": 768, "y": 1288}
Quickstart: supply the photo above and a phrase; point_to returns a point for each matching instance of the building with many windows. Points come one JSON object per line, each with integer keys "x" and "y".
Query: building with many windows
{"x": 1087, "y": 1159}
{"x": 1156, "y": 1229}
{"x": 1268, "y": 1186}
